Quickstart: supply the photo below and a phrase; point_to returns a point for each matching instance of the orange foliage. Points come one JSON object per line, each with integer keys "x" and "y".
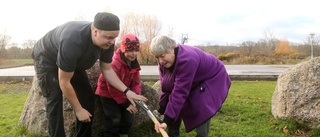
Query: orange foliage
{"x": 284, "y": 48}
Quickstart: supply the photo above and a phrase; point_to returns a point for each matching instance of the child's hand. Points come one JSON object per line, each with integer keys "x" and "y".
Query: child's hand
{"x": 132, "y": 109}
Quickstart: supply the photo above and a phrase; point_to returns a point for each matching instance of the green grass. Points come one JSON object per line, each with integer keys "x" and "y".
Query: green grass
{"x": 245, "y": 113}
{"x": 246, "y": 110}
{"x": 12, "y": 99}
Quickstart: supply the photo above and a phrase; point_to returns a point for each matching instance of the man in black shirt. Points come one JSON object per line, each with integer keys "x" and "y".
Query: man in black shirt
{"x": 60, "y": 60}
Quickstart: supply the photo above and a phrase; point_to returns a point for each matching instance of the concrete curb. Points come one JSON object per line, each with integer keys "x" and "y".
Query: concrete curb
{"x": 233, "y": 77}
{"x": 16, "y": 78}
{"x": 156, "y": 78}
{"x": 150, "y": 73}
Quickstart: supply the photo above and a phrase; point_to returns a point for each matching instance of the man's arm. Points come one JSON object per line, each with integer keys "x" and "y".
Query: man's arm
{"x": 112, "y": 78}
{"x": 68, "y": 91}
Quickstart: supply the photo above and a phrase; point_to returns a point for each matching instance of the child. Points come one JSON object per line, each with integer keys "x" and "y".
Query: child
{"x": 115, "y": 104}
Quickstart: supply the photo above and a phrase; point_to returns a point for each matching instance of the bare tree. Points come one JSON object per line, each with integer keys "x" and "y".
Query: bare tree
{"x": 127, "y": 24}
{"x": 28, "y": 44}
{"x": 247, "y": 47}
{"x": 13, "y": 51}
{"x": 4, "y": 41}
{"x": 151, "y": 27}
{"x": 262, "y": 47}
{"x": 171, "y": 33}
{"x": 270, "y": 38}
{"x": 314, "y": 38}
{"x": 12, "y": 45}
{"x": 144, "y": 26}
{"x": 80, "y": 17}
{"x": 107, "y": 9}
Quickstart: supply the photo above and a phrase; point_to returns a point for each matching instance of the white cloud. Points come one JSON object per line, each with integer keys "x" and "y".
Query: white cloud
{"x": 214, "y": 21}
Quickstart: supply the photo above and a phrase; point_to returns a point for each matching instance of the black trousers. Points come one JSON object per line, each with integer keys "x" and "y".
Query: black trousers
{"x": 202, "y": 130}
{"x": 49, "y": 84}
{"x": 118, "y": 119}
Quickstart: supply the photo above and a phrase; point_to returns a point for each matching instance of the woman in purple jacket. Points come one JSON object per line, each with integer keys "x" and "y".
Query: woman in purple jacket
{"x": 194, "y": 85}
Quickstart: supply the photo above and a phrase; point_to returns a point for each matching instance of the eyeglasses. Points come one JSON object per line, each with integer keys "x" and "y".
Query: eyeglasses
{"x": 133, "y": 46}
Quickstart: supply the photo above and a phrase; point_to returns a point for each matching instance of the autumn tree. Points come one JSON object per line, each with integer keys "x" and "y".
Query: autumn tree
{"x": 209, "y": 49}
{"x": 283, "y": 48}
{"x": 145, "y": 27}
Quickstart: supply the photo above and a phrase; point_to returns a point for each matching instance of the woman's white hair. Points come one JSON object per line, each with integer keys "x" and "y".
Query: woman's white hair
{"x": 161, "y": 44}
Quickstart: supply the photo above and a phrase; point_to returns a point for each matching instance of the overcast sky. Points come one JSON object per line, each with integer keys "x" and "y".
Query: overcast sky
{"x": 205, "y": 21}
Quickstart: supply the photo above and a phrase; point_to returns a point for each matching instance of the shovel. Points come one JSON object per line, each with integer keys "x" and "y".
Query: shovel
{"x": 154, "y": 118}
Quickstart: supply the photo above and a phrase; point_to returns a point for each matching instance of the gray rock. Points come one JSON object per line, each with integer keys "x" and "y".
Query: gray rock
{"x": 34, "y": 117}
{"x": 34, "y": 113}
{"x": 297, "y": 94}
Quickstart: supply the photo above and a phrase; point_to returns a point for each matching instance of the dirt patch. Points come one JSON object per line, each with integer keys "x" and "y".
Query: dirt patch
{"x": 15, "y": 87}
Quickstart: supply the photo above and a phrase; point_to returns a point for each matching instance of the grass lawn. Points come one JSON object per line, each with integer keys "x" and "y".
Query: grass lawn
{"x": 12, "y": 99}
{"x": 245, "y": 113}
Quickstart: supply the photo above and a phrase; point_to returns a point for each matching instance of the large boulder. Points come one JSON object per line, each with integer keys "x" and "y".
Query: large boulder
{"x": 34, "y": 113}
{"x": 34, "y": 116}
{"x": 297, "y": 94}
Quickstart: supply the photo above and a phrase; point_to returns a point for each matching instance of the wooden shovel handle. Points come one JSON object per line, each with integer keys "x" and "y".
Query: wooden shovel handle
{"x": 162, "y": 131}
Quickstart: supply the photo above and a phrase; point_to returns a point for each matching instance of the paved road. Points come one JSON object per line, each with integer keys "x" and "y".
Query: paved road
{"x": 151, "y": 72}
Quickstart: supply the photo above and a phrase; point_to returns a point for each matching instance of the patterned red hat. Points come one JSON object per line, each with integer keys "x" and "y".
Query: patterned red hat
{"x": 130, "y": 42}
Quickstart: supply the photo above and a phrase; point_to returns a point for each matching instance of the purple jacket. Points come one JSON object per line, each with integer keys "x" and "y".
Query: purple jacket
{"x": 196, "y": 87}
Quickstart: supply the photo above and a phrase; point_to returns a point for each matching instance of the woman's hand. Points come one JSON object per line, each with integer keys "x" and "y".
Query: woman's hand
{"x": 156, "y": 112}
{"x": 157, "y": 126}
